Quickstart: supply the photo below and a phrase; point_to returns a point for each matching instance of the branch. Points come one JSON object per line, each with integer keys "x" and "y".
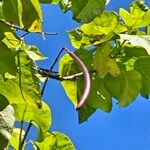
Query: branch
{"x": 26, "y": 30}
{"x": 53, "y": 75}
{"x": 50, "y": 70}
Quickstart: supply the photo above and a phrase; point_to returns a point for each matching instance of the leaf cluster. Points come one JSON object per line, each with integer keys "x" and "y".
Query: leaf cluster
{"x": 115, "y": 47}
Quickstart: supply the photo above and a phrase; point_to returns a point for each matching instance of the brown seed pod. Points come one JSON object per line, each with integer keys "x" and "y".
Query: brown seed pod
{"x": 87, "y": 82}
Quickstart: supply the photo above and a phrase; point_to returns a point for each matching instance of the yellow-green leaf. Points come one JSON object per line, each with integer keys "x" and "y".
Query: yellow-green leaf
{"x": 17, "y": 12}
{"x": 54, "y": 140}
{"x": 142, "y": 65}
{"x": 40, "y": 117}
{"x": 125, "y": 87}
{"x": 8, "y": 47}
{"x": 139, "y": 15}
{"x": 103, "y": 63}
{"x": 14, "y": 140}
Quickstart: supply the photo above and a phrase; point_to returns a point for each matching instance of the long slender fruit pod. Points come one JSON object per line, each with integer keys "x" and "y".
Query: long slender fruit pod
{"x": 87, "y": 82}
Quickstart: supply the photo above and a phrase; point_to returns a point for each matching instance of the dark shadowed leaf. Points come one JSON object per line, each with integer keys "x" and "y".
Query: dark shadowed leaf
{"x": 142, "y": 65}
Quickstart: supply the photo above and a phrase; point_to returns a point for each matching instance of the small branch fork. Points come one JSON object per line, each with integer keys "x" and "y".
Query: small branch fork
{"x": 53, "y": 75}
{"x": 85, "y": 73}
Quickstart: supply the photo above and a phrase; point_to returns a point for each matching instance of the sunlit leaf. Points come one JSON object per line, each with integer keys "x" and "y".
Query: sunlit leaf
{"x": 143, "y": 41}
{"x": 40, "y": 117}
{"x": 25, "y": 87}
{"x": 1, "y": 13}
{"x": 70, "y": 87}
{"x": 33, "y": 52}
{"x": 103, "y": 63}
{"x": 17, "y": 12}
{"x": 8, "y": 45}
{"x": 125, "y": 87}
{"x": 138, "y": 17}
{"x": 6, "y": 125}
{"x": 148, "y": 30}
{"x": 99, "y": 97}
{"x": 14, "y": 140}
{"x": 142, "y": 65}
{"x": 101, "y": 29}
{"x": 55, "y": 140}
{"x": 67, "y": 66}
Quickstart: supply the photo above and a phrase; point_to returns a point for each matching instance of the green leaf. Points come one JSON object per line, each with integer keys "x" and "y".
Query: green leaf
{"x": 139, "y": 15}
{"x": 17, "y": 12}
{"x": 125, "y": 87}
{"x": 49, "y": 1}
{"x": 134, "y": 51}
{"x": 65, "y": 5}
{"x": 99, "y": 97}
{"x": 148, "y": 30}
{"x": 103, "y": 63}
{"x": 14, "y": 140}
{"x": 74, "y": 87}
{"x": 6, "y": 125}
{"x": 25, "y": 87}
{"x": 143, "y": 41}
{"x": 8, "y": 45}
{"x": 70, "y": 87}
{"x": 33, "y": 52}
{"x": 85, "y": 112}
{"x": 3, "y": 102}
{"x": 87, "y": 10}
{"x": 129, "y": 55}
{"x": 1, "y": 13}
{"x": 67, "y": 66}
{"x": 54, "y": 140}
{"x": 142, "y": 66}
{"x": 40, "y": 117}
{"x": 101, "y": 29}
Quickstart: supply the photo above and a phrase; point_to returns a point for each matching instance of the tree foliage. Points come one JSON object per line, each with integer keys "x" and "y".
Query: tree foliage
{"x": 114, "y": 46}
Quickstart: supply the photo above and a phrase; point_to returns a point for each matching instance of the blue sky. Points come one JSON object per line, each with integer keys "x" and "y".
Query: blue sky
{"x": 122, "y": 129}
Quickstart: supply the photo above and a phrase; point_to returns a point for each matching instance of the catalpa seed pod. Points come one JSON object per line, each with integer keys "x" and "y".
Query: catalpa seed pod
{"x": 87, "y": 82}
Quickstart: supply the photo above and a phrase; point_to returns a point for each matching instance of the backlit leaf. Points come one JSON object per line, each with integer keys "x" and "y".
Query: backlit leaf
{"x": 138, "y": 17}
{"x": 100, "y": 30}
{"x": 14, "y": 140}
{"x": 103, "y": 63}
{"x": 17, "y": 12}
{"x": 6, "y": 125}
{"x": 54, "y": 140}
{"x": 142, "y": 65}
{"x": 143, "y": 41}
{"x": 40, "y": 117}
{"x": 8, "y": 45}
{"x": 25, "y": 87}
{"x": 125, "y": 87}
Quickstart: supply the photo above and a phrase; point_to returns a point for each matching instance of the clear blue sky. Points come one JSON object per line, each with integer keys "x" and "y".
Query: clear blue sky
{"x": 122, "y": 129}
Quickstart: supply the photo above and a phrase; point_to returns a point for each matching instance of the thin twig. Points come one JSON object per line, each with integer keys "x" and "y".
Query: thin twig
{"x": 25, "y": 136}
{"x": 26, "y": 30}
{"x": 51, "y": 68}
{"x": 44, "y": 72}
